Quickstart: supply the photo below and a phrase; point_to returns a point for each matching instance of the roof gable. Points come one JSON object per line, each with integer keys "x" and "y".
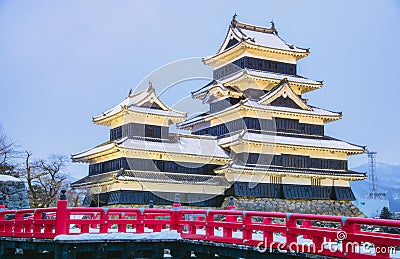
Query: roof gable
{"x": 256, "y": 35}
{"x": 232, "y": 42}
{"x": 151, "y": 101}
{"x": 284, "y": 96}
{"x": 215, "y": 91}
{"x": 145, "y": 101}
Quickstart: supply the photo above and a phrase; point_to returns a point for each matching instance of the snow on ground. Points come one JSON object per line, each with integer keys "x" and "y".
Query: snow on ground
{"x": 163, "y": 235}
{"x": 8, "y": 178}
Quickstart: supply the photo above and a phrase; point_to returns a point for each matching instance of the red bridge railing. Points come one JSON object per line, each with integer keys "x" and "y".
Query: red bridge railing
{"x": 316, "y": 234}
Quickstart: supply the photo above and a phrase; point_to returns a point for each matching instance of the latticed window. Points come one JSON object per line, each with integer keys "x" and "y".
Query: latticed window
{"x": 275, "y": 179}
{"x": 315, "y": 181}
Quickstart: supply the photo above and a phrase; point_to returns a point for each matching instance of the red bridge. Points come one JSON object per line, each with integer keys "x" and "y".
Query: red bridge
{"x": 206, "y": 232}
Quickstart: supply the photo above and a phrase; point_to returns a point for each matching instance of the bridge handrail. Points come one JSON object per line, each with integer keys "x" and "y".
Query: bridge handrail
{"x": 254, "y": 228}
{"x": 374, "y": 222}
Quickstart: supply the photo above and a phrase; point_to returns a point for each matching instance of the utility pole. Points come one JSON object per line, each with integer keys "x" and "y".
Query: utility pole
{"x": 372, "y": 177}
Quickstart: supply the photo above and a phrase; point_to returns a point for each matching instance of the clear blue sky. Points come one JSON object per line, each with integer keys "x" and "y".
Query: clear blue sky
{"x": 62, "y": 62}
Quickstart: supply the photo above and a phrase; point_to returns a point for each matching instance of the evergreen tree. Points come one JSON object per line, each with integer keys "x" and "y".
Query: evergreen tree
{"x": 385, "y": 213}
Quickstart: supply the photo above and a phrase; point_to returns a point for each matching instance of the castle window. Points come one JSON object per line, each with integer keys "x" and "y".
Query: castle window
{"x": 275, "y": 179}
{"x": 255, "y": 63}
{"x": 152, "y": 131}
{"x": 149, "y": 131}
{"x": 315, "y": 182}
{"x": 116, "y": 133}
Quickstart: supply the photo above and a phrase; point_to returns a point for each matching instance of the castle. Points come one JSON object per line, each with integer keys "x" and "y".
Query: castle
{"x": 260, "y": 140}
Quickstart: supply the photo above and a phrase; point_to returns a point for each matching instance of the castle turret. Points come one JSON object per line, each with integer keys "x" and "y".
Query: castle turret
{"x": 143, "y": 161}
{"x": 275, "y": 138}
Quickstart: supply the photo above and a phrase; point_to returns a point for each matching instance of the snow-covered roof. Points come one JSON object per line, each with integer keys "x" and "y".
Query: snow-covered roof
{"x": 261, "y": 36}
{"x": 246, "y": 35}
{"x": 152, "y": 176}
{"x": 314, "y": 111}
{"x": 201, "y": 146}
{"x": 270, "y": 75}
{"x": 282, "y": 169}
{"x": 165, "y": 177}
{"x": 215, "y": 90}
{"x": 8, "y": 178}
{"x": 95, "y": 179}
{"x": 186, "y": 144}
{"x": 107, "y": 146}
{"x": 145, "y": 102}
{"x": 291, "y": 141}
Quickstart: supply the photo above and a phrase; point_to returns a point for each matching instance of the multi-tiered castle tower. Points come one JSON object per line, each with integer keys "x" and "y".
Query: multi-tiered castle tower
{"x": 260, "y": 141}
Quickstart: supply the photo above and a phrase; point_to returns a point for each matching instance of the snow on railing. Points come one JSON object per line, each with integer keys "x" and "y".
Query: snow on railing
{"x": 316, "y": 234}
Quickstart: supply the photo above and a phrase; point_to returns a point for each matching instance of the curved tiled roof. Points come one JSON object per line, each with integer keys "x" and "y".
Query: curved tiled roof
{"x": 291, "y": 141}
{"x": 270, "y": 75}
{"x": 201, "y": 146}
{"x": 165, "y": 177}
{"x": 271, "y": 168}
{"x": 134, "y": 102}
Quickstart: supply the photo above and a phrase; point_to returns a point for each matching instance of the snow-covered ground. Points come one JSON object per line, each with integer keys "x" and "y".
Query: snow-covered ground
{"x": 163, "y": 235}
{"x": 8, "y": 178}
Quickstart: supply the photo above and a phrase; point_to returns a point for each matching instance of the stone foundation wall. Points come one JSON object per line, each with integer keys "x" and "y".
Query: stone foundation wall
{"x": 325, "y": 207}
{"x": 15, "y": 196}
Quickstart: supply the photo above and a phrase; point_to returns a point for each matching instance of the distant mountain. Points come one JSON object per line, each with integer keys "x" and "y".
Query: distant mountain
{"x": 388, "y": 181}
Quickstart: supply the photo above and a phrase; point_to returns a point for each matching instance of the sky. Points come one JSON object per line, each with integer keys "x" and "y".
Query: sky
{"x": 62, "y": 62}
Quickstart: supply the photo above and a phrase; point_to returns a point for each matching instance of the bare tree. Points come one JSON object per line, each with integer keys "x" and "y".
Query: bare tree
{"x": 45, "y": 178}
{"x": 8, "y": 152}
{"x": 75, "y": 197}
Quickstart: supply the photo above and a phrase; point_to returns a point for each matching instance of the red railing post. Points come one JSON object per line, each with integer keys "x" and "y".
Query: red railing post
{"x": 62, "y": 215}
{"x": 268, "y": 235}
{"x": 306, "y": 224}
{"x": 104, "y": 221}
{"x": 247, "y": 222}
{"x": 121, "y": 227}
{"x": 348, "y": 247}
{"x": 229, "y": 218}
{"x": 2, "y": 219}
{"x": 209, "y": 225}
{"x": 17, "y": 223}
{"x": 176, "y": 215}
{"x": 140, "y": 219}
{"x": 291, "y": 237}
{"x": 37, "y": 216}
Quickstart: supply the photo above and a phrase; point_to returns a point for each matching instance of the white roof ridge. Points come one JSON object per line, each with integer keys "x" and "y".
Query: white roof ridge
{"x": 254, "y": 29}
{"x": 299, "y": 140}
{"x": 315, "y": 107}
{"x": 270, "y": 75}
{"x": 103, "y": 147}
{"x": 277, "y": 73}
{"x": 133, "y": 100}
{"x": 123, "y": 103}
{"x": 188, "y": 135}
